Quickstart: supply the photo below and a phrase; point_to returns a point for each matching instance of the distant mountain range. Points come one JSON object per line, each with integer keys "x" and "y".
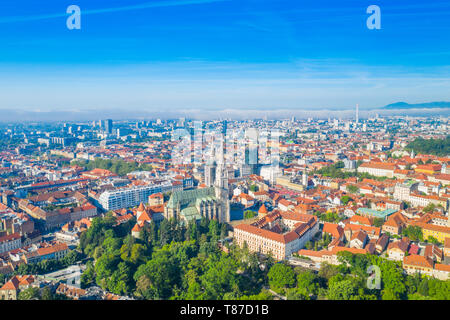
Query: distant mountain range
{"x": 426, "y": 105}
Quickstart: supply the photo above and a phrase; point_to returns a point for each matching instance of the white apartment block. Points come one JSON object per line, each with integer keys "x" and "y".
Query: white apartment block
{"x": 131, "y": 197}
{"x": 10, "y": 242}
{"x": 378, "y": 169}
{"x": 403, "y": 191}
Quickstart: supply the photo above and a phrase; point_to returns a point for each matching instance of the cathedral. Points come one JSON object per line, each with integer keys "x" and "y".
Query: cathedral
{"x": 210, "y": 202}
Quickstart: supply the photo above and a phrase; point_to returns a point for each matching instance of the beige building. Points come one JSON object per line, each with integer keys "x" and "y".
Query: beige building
{"x": 10, "y": 290}
{"x": 397, "y": 250}
{"x": 418, "y": 264}
{"x": 378, "y": 169}
{"x": 286, "y": 181}
{"x": 278, "y": 233}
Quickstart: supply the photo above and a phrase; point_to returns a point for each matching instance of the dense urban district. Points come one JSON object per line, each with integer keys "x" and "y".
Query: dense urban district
{"x": 341, "y": 209}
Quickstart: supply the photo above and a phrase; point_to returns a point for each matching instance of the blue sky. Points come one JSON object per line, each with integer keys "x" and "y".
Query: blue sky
{"x": 222, "y": 54}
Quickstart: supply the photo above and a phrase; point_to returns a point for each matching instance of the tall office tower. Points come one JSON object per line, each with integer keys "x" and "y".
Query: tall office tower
{"x": 108, "y": 126}
{"x": 357, "y": 114}
{"x": 224, "y": 127}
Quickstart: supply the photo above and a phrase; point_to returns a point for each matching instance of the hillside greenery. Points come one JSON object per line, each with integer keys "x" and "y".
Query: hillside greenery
{"x": 438, "y": 147}
{"x": 119, "y": 167}
{"x": 335, "y": 171}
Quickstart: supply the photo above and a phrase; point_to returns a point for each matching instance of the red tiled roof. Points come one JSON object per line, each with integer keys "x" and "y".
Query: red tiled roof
{"x": 52, "y": 249}
{"x": 334, "y": 229}
{"x": 378, "y": 165}
{"x": 417, "y": 261}
{"x": 263, "y": 209}
{"x": 13, "y": 236}
{"x": 442, "y": 267}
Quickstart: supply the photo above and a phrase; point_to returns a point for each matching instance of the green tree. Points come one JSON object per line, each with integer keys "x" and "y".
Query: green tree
{"x": 414, "y": 233}
{"x": 263, "y": 295}
{"x": 220, "y": 277}
{"x": 345, "y": 199}
{"x": 423, "y": 288}
{"x": 307, "y": 283}
{"x": 429, "y": 208}
{"x": 327, "y": 271}
{"x": 296, "y": 294}
{"x": 281, "y": 276}
{"x": 165, "y": 232}
{"x": 342, "y": 290}
{"x": 249, "y": 214}
{"x": 378, "y": 222}
{"x": 352, "y": 189}
{"x": 439, "y": 147}
{"x": 163, "y": 273}
{"x": 30, "y": 293}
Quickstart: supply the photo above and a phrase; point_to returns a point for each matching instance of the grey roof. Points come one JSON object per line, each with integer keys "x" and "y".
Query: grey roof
{"x": 191, "y": 213}
{"x": 187, "y": 198}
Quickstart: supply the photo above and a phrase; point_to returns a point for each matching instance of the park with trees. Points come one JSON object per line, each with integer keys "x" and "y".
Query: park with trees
{"x": 176, "y": 261}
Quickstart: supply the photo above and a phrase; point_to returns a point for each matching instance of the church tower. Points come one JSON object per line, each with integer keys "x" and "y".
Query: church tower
{"x": 305, "y": 179}
{"x": 221, "y": 191}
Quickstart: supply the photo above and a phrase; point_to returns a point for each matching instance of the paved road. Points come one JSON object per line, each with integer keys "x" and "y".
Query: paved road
{"x": 279, "y": 296}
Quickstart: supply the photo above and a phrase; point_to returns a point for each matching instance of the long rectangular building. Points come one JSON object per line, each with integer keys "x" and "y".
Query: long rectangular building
{"x": 131, "y": 197}
{"x": 279, "y": 233}
{"x": 379, "y": 169}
